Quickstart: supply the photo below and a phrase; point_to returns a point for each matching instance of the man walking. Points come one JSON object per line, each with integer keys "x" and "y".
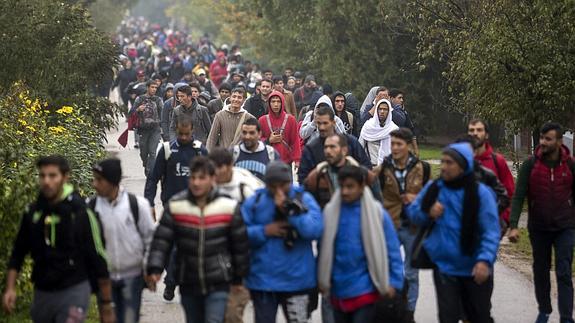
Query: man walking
{"x": 217, "y": 104}
{"x": 375, "y": 135}
{"x": 227, "y": 126}
{"x": 198, "y": 113}
{"x": 148, "y": 108}
{"x": 360, "y": 257}
{"x": 211, "y": 245}
{"x": 400, "y": 116}
{"x": 128, "y": 229}
{"x": 289, "y": 100}
{"x": 64, "y": 239}
{"x": 253, "y": 154}
{"x": 461, "y": 216}
{"x": 282, "y": 222}
{"x": 402, "y": 176}
{"x": 257, "y": 105}
{"x": 546, "y": 179}
{"x": 493, "y": 161}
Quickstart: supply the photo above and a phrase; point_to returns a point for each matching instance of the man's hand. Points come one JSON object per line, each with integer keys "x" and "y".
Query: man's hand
{"x": 140, "y": 108}
{"x": 436, "y": 211}
{"x": 151, "y": 281}
{"x": 107, "y": 314}
{"x": 480, "y": 272}
{"x": 9, "y": 300}
{"x": 277, "y": 229}
{"x": 236, "y": 289}
{"x": 407, "y": 198}
{"x": 513, "y": 235}
{"x": 390, "y": 292}
{"x": 279, "y": 198}
{"x": 372, "y": 110}
{"x": 275, "y": 138}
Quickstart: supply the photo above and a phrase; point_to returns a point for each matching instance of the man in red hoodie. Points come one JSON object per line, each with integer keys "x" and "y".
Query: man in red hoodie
{"x": 279, "y": 129}
{"x": 491, "y": 160}
{"x": 219, "y": 69}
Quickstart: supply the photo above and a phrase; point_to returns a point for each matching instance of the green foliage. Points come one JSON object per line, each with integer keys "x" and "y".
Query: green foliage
{"x": 507, "y": 61}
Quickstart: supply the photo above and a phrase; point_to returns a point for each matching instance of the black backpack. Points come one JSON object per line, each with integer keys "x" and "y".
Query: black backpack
{"x": 133, "y": 208}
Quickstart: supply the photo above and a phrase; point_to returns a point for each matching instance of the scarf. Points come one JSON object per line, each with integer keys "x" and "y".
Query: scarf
{"x": 469, "y": 236}
{"x": 373, "y": 239}
{"x": 373, "y": 131}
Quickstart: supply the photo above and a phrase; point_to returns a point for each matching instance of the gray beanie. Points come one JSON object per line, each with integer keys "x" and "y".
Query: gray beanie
{"x": 277, "y": 171}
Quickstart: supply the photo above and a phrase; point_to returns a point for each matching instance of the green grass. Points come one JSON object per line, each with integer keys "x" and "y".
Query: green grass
{"x": 429, "y": 152}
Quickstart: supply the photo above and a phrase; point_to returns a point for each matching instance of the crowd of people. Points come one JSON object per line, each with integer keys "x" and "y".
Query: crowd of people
{"x": 223, "y": 139}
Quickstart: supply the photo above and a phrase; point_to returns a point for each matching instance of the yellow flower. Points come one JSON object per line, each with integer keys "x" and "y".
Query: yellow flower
{"x": 22, "y": 122}
{"x": 58, "y": 129}
{"x": 18, "y": 132}
{"x": 65, "y": 109}
{"x": 30, "y": 128}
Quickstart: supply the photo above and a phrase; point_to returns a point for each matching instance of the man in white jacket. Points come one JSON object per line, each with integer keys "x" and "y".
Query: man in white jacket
{"x": 239, "y": 184}
{"x": 375, "y": 135}
{"x": 308, "y": 130}
{"x": 128, "y": 231}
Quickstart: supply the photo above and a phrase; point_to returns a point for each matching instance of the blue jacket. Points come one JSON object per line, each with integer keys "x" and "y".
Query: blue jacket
{"x": 443, "y": 243}
{"x": 173, "y": 172}
{"x": 350, "y": 276}
{"x": 273, "y": 267}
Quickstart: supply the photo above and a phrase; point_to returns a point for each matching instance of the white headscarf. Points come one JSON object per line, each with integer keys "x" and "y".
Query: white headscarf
{"x": 373, "y": 131}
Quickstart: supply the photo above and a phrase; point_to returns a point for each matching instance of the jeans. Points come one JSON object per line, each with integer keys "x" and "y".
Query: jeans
{"x": 407, "y": 238}
{"x": 364, "y": 314}
{"x": 170, "y": 278}
{"x": 542, "y": 243}
{"x": 61, "y": 306}
{"x": 127, "y": 296}
{"x": 295, "y": 306}
{"x": 210, "y": 308}
{"x": 149, "y": 139}
{"x": 452, "y": 291}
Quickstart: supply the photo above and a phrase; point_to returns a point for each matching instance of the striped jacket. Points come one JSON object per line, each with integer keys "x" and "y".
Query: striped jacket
{"x": 211, "y": 243}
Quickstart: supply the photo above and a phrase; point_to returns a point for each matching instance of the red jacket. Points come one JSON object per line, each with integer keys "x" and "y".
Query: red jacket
{"x": 488, "y": 160}
{"x": 289, "y": 148}
{"x": 218, "y": 72}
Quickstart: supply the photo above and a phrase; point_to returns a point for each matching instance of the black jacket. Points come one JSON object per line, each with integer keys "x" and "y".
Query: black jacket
{"x": 487, "y": 177}
{"x": 65, "y": 243}
{"x": 256, "y": 106}
{"x": 212, "y": 244}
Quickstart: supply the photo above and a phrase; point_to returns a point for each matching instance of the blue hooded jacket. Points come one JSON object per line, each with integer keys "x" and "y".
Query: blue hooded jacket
{"x": 350, "y": 276}
{"x": 443, "y": 243}
{"x": 273, "y": 267}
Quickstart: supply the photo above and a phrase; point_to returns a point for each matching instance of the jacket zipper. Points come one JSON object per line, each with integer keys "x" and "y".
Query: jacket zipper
{"x": 224, "y": 267}
{"x": 201, "y": 273}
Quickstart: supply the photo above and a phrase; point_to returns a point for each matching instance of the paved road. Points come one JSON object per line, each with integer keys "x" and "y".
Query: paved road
{"x": 513, "y": 297}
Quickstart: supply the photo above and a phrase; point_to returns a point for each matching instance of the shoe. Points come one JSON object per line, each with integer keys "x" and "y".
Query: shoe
{"x": 169, "y": 292}
{"x": 408, "y": 317}
{"x": 542, "y": 318}
{"x": 136, "y": 146}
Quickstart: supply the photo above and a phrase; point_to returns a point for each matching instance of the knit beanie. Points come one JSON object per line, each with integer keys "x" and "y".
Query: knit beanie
{"x": 110, "y": 169}
{"x": 277, "y": 171}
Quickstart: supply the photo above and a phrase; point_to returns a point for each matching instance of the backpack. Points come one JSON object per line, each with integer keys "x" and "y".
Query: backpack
{"x": 133, "y": 208}
{"x": 149, "y": 117}
{"x": 197, "y": 145}
{"x": 271, "y": 153}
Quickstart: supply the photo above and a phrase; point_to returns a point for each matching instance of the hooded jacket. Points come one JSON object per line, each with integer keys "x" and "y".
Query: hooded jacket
{"x": 273, "y": 267}
{"x": 289, "y": 148}
{"x": 308, "y": 130}
{"x": 200, "y": 119}
{"x": 443, "y": 243}
{"x": 373, "y": 135}
{"x": 350, "y": 122}
{"x": 224, "y": 129}
{"x": 498, "y": 165}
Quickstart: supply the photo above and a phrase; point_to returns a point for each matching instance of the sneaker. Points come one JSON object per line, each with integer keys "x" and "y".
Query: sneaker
{"x": 542, "y": 318}
{"x": 408, "y": 317}
{"x": 169, "y": 292}
{"x": 136, "y": 146}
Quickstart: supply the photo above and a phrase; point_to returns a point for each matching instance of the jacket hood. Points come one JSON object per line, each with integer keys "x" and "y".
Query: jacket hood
{"x": 228, "y": 106}
{"x": 565, "y": 154}
{"x": 465, "y": 150}
{"x": 283, "y": 108}
{"x": 336, "y": 94}
{"x": 324, "y": 99}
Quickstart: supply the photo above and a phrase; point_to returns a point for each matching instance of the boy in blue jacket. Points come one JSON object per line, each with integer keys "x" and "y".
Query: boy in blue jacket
{"x": 360, "y": 258}
{"x": 282, "y": 221}
{"x": 464, "y": 239}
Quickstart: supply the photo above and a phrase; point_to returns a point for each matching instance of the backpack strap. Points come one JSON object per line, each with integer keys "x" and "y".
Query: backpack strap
{"x": 283, "y": 123}
{"x": 134, "y": 210}
{"x": 197, "y": 145}
{"x": 269, "y": 122}
{"x": 271, "y": 153}
{"x": 242, "y": 193}
{"x": 167, "y": 150}
{"x": 494, "y": 157}
{"x": 426, "y": 172}
{"x": 350, "y": 119}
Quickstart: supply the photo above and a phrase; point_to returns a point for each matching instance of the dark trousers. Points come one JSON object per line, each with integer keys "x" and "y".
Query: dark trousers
{"x": 295, "y": 306}
{"x": 364, "y": 314}
{"x": 454, "y": 291}
{"x": 542, "y": 243}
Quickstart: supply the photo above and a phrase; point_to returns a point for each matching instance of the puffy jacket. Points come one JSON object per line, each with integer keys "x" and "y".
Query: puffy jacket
{"x": 443, "y": 243}
{"x": 274, "y": 267}
{"x": 211, "y": 243}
